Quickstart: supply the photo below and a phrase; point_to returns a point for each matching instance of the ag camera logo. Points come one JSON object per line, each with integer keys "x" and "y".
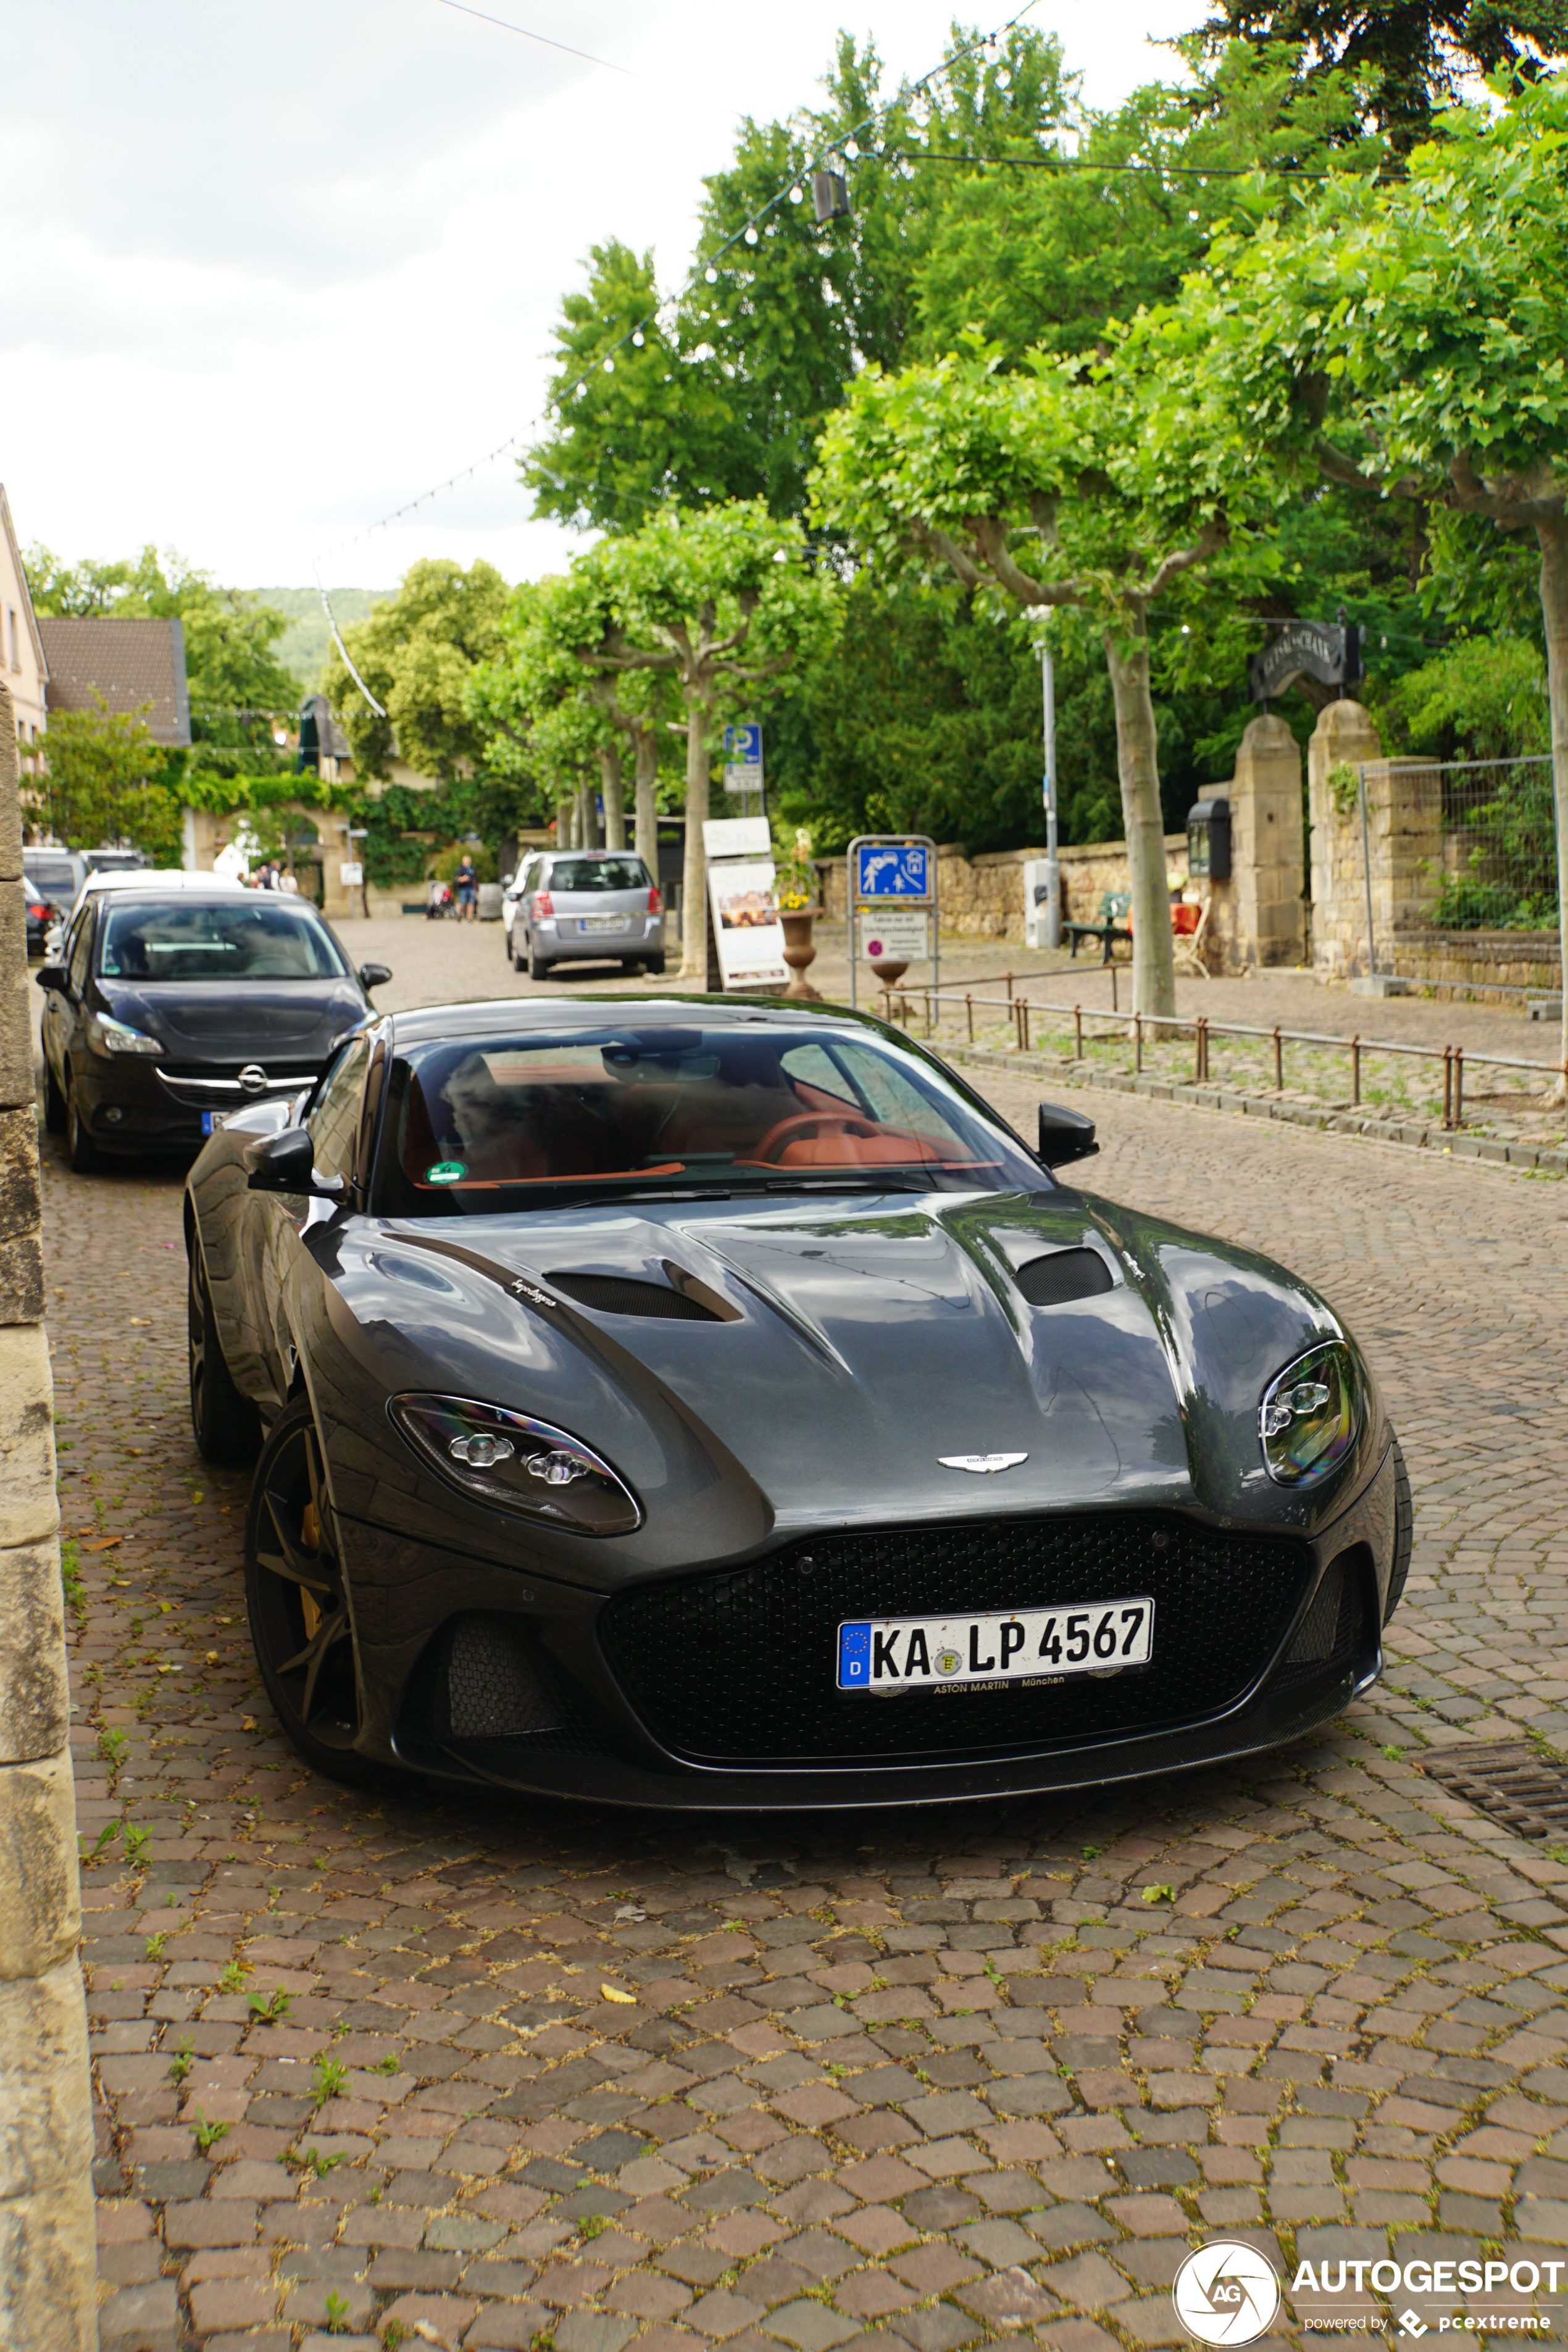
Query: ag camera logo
{"x": 1227, "y": 2293}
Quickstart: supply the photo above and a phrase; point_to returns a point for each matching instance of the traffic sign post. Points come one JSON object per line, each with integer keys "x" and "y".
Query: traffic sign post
{"x": 743, "y": 763}
{"x": 893, "y": 908}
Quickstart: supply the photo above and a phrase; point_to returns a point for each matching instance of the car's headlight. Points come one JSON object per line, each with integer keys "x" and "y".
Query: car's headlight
{"x": 1312, "y": 1415}
{"x": 517, "y": 1464}
{"x": 107, "y": 1036}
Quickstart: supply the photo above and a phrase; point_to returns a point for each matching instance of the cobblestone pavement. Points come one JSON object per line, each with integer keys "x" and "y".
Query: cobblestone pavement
{"x": 482, "y": 2074}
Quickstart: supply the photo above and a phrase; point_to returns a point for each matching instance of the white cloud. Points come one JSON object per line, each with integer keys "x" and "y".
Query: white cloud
{"x": 274, "y": 269}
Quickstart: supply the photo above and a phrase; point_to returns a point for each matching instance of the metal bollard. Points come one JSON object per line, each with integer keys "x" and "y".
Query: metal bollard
{"x": 1355, "y": 1069}
{"x": 1138, "y": 1041}
{"x": 1278, "y": 1062}
{"x": 1459, "y": 1086}
{"x": 969, "y": 1009}
{"x": 1078, "y": 1031}
{"x": 1448, "y": 1086}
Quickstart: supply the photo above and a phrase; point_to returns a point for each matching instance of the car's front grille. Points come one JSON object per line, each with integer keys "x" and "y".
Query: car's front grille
{"x": 739, "y": 1666}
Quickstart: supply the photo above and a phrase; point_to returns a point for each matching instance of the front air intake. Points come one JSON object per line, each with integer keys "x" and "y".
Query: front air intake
{"x": 1065, "y": 1275}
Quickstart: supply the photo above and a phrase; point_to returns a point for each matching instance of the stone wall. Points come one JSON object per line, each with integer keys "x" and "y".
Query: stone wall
{"x": 1403, "y": 837}
{"x": 983, "y": 898}
{"x": 48, "y": 2268}
{"x": 1259, "y": 917}
{"x": 1527, "y": 960}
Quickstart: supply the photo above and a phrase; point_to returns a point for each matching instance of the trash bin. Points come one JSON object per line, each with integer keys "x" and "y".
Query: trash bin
{"x": 490, "y": 902}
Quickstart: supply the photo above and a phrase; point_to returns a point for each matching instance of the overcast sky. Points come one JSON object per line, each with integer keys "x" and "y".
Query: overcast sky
{"x": 275, "y": 270}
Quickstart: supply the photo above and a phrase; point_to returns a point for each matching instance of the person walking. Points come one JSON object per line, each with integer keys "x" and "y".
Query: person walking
{"x": 468, "y": 891}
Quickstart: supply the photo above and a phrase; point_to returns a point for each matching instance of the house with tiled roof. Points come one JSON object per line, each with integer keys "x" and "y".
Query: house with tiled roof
{"x": 23, "y": 664}
{"x": 127, "y": 664}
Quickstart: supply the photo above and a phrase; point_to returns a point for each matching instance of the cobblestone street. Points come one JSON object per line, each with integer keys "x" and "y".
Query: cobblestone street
{"x": 509, "y": 2075}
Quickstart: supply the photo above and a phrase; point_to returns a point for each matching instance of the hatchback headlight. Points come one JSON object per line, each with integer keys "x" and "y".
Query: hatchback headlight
{"x": 517, "y": 1464}
{"x": 107, "y": 1036}
{"x": 1312, "y": 1415}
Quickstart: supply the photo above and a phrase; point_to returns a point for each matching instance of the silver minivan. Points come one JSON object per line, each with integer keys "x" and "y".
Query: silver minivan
{"x": 583, "y": 906}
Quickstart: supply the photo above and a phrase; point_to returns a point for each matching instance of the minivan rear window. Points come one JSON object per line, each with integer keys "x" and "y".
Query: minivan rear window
{"x": 597, "y": 874}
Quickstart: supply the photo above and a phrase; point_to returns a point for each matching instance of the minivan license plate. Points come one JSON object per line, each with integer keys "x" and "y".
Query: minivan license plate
{"x": 602, "y": 923}
{"x": 899, "y": 1654}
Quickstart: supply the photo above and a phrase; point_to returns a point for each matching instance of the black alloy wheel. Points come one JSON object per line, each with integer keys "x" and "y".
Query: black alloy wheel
{"x": 298, "y": 1601}
{"x": 53, "y": 1102}
{"x": 81, "y": 1152}
{"x": 224, "y": 1423}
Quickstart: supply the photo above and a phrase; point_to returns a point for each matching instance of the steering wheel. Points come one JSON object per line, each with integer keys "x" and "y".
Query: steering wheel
{"x": 814, "y": 1123}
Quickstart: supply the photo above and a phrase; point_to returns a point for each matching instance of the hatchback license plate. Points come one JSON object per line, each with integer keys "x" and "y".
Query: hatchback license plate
{"x": 898, "y": 1653}
{"x": 602, "y": 923}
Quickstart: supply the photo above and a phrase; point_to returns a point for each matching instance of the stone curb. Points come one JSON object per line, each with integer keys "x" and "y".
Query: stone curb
{"x": 1324, "y": 1122}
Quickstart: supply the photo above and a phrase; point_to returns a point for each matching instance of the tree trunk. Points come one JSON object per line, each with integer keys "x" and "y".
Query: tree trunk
{"x": 587, "y": 831}
{"x": 615, "y": 793}
{"x": 647, "y": 798}
{"x": 566, "y": 824}
{"x": 1138, "y": 759}
{"x": 1554, "y": 538}
{"x": 694, "y": 881}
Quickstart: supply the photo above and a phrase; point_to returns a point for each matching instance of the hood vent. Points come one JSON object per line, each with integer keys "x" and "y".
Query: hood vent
{"x": 1062, "y": 1276}
{"x": 616, "y": 1294}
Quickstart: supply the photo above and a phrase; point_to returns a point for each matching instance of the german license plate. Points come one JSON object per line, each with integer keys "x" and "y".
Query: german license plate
{"x": 602, "y": 923}
{"x": 211, "y": 1122}
{"x": 899, "y": 1654}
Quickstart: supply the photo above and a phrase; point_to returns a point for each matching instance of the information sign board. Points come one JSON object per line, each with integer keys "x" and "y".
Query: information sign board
{"x": 350, "y": 874}
{"x": 895, "y": 934}
{"x": 746, "y": 927}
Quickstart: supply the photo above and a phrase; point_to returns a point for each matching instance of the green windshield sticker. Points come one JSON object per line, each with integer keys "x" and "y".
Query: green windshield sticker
{"x": 446, "y": 1171}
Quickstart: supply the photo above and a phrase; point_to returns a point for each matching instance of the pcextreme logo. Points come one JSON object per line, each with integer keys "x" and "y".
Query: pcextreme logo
{"x": 1229, "y": 2293}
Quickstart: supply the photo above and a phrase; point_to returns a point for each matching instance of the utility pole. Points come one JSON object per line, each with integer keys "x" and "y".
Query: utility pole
{"x": 1053, "y": 871}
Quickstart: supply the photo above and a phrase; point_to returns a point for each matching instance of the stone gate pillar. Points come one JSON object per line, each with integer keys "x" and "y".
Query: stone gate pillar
{"x": 1404, "y": 837}
{"x": 1258, "y": 918}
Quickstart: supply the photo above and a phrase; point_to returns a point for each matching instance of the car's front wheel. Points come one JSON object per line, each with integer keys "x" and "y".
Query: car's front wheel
{"x": 297, "y": 1601}
{"x": 223, "y": 1420}
{"x": 81, "y": 1149}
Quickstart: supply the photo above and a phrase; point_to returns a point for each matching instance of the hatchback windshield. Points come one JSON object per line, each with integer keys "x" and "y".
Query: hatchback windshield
{"x": 730, "y": 1107}
{"x": 597, "y": 874}
{"x": 235, "y": 939}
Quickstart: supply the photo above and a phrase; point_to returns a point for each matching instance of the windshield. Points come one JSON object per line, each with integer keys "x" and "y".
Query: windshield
{"x": 733, "y": 1109}
{"x": 597, "y": 874}
{"x": 258, "y": 938}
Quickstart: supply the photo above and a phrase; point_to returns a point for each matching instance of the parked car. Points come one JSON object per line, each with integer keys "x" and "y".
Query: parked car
{"x": 51, "y": 881}
{"x": 586, "y": 907}
{"x": 515, "y": 889}
{"x": 176, "y": 999}
{"x": 720, "y": 1406}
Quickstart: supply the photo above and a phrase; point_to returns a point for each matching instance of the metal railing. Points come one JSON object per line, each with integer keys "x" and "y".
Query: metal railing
{"x": 898, "y": 1005}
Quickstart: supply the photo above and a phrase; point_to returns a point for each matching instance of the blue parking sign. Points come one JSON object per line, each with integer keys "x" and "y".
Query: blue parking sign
{"x": 892, "y": 869}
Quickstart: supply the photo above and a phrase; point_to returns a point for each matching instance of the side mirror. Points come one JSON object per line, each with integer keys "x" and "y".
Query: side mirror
{"x": 52, "y": 978}
{"x": 286, "y": 1162}
{"x": 372, "y": 975}
{"x": 1064, "y": 1135}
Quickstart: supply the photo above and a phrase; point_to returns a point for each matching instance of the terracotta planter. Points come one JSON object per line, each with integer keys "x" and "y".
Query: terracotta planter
{"x": 799, "y": 953}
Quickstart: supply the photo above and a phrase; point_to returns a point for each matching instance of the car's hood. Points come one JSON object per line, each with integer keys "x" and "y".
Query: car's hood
{"x": 224, "y": 1021}
{"x": 868, "y": 1342}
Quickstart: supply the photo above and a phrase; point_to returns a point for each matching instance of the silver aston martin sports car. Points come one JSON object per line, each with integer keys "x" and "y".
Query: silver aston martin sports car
{"x": 710, "y": 1403}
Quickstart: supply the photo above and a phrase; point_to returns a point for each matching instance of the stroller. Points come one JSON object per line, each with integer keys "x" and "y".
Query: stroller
{"x": 442, "y": 900}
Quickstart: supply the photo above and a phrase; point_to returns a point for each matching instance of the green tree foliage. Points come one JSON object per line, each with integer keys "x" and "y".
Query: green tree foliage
{"x": 1406, "y": 337}
{"x": 727, "y": 391}
{"x": 234, "y": 675}
{"x": 98, "y": 785}
{"x": 723, "y": 604}
{"x": 1414, "y": 55}
{"x": 1099, "y": 489}
{"x": 418, "y": 653}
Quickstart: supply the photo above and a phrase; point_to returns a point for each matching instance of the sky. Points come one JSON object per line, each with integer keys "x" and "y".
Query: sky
{"x": 275, "y": 270}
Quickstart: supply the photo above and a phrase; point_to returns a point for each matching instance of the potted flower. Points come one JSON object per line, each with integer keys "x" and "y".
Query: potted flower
{"x": 795, "y": 893}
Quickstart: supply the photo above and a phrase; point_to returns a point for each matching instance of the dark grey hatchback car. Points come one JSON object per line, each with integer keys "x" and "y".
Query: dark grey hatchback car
{"x": 170, "y": 1008}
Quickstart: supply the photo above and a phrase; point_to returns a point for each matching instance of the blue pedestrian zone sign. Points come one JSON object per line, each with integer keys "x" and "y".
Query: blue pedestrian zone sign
{"x": 892, "y": 869}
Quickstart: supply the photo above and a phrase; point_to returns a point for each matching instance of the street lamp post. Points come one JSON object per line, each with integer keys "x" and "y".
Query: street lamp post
{"x": 1053, "y": 871}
